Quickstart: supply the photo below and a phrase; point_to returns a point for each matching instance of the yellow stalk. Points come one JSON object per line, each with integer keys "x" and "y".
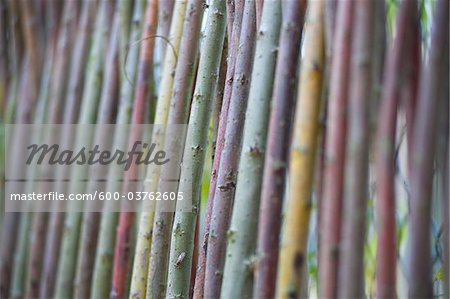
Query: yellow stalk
{"x": 306, "y": 128}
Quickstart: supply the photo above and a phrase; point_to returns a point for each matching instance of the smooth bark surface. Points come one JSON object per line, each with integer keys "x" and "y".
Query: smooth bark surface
{"x": 385, "y": 151}
{"x": 336, "y": 133}
{"x": 351, "y": 269}
{"x": 424, "y": 141}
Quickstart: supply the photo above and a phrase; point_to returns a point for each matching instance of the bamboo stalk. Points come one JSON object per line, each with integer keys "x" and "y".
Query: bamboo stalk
{"x": 274, "y": 178}
{"x": 178, "y": 114}
{"x": 409, "y": 93}
{"x": 106, "y": 115}
{"x": 11, "y": 221}
{"x": 74, "y": 89}
{"x": 330, "y": 22}
{"x": 14, "y": 55}
{"x": 237, "y": 280}
{"x": 424, "y": 141}
{"x": 291, "y": 278}
{"x": 9, "y": 72}
{"x": 122, "y": 253}
{"x": 218, "y": 98}
{"x": 21, "y": 255}
{"x": 101, "y": 284}
{"x": 231, "y": 10}
{"x": 36, "y": 248}
{"x": 259, "y": 10}
{"x": 20, "y": 258}
{"x": 238, "y": 7}
{"x": 15, "y": 43}
{"x": 20, "y": 111}
{"x": 335, "y": 152}
{"x": 351, "y": 273}
{"x": 57, "y": 89}
{"x": 234, "y": 16}
{"x": 4, "y": 63}
{"x": 88, "y": 113}
{"x": 183, "y": 231}
{"x": 11, "y": 63}
{"x": 31, "y": 37}
{"x": 442, "y": 161}
{"x": 11, "y": 107}
{"x": 195, "y": 251}
{"x": 331, "y": 15}
{"x": 23, "y": 247}
{"x": 385, "y": 172}
{"x": 226, "y": 177}
{"x": 142, "y": 253}
{"x": 378, "y": 62}
{"x": 165, "y": 11}
{"x": 125, "y": 12}
{"x": 9, "y": 225}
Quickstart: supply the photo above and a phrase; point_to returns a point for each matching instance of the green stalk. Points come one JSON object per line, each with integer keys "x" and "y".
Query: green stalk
{"x": 229, "y": 157}
{"x": 31, "y": 37}
{"x": 181, "y": 97}
{"x": 21, "y": 255}
{"x": 58, "y": 85}
{"x": 141, "y": 256}
{"x": 183, "y": 232}
{"x": 238, "y": 280}
{"x": 106, "y": 115}
{"x": 4, "y": 63}
{"x": 71, "y": 109}
{"x": 10, "y": 221}
{"x": 20, "y": 258}
{"x": 125, "y": 11}
{"x": 105, "y": 249}
{"x": 88, "y": 114}
{"x": 12, "y": 94}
